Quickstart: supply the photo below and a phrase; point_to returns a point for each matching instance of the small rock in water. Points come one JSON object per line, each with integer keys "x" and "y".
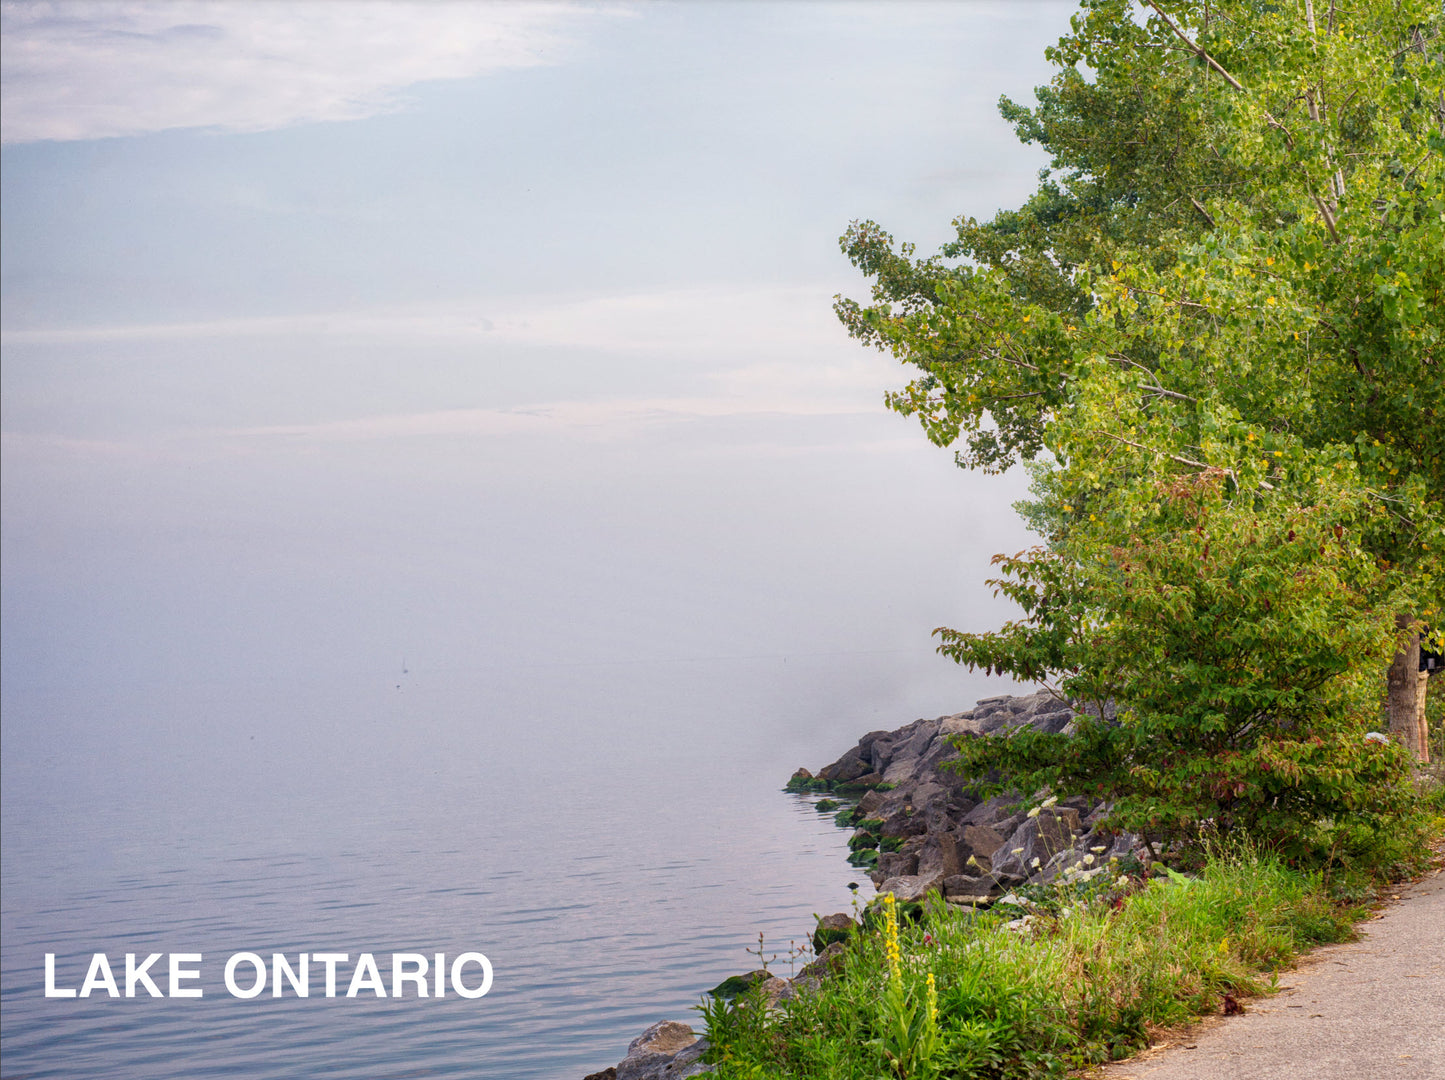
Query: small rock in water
{"x": 654, "y": 1053}
{"x": 734, "y": 985}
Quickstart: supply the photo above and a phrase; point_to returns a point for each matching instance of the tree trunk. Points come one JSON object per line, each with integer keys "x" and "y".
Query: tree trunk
{"x": 1404, "y": 689}
{"x": 1421, "y": 691}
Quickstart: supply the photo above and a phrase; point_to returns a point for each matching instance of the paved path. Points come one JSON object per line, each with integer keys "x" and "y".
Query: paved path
{"x": 1371, "y": 1009}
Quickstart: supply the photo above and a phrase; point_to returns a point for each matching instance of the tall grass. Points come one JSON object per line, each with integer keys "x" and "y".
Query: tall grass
{"x": 1082, "y": 980}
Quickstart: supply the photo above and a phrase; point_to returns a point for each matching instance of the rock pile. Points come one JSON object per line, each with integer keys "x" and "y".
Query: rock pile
{"x": 933, "y": 833}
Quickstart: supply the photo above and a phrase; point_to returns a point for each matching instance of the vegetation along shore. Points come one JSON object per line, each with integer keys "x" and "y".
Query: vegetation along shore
{"x": 1061, "y": 944}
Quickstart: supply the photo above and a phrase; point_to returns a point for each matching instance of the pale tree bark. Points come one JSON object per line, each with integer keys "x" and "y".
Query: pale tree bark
{"x": 1421, "y": 691}
{"x": 1404, "y": 690}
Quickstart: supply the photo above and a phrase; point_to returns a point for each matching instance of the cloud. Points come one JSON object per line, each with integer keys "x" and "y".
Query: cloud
{"x": 587, "y": 421}
{"x": 752, "y": 351}
{"x": 718, "y": 320}
{"x": 608, "y": 418}
{"x": 94, "y": 69}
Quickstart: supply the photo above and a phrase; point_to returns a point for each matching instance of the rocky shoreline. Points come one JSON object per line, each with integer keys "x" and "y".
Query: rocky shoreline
{"x": 934, "y": 832}
{"x": 919, "y": 829}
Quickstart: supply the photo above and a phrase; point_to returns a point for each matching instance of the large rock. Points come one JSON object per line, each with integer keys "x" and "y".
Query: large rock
{"x": 969, "y": 885}
{"x": 959, "y": 724}
{"x": 952, "y": 855}
{"x": 978, "y": 841}
{"x": 928, "y": 794}
{"x": 904, "y": 822}
{"x": 908, "y": 752}
{"x": 894, "y": 864}
{"x": 832, "y": 928}
{"x": 992, "y": 811}
{"x": 849, "y": 767}
{"x": 931, "y": 857}
{"x": 869, "y": 748}
{"x": 999, "y": 714}
{"x": 912, "y": 889}
{"x": 652, "y": 1054}
{"x": 870, "y": 802}
{"x": 1047, "y": 713}
{"x": 688, "y": 1063}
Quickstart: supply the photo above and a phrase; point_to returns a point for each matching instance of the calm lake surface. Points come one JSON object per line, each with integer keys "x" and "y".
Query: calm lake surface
{"x": 535, "y": 700}
{"x": 612, "y": 838}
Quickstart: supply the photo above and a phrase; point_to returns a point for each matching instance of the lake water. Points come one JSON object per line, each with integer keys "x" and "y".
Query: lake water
{"x": 613, "y": 838}
{"x": 534, "y": 697}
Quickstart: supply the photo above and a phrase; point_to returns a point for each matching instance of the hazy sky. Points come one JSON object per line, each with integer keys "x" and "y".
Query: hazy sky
{"x": 480, "y": 335}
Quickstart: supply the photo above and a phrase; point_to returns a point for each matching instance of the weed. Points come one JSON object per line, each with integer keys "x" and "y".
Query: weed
{"x": 760, "y": 952}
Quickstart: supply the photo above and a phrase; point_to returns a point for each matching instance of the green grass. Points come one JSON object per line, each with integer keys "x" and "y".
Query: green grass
{"x": 1084, "y": 983}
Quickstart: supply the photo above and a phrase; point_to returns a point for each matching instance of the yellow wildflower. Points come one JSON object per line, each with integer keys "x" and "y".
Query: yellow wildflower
{"x": 891, "y": 951}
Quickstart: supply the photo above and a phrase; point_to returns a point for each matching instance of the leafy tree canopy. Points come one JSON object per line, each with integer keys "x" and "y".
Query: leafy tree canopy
{"x": 1215, "y": 330}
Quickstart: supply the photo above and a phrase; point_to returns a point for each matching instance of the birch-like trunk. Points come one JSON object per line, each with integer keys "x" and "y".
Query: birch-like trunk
{"x": 1404, "y": 690}
{"x": 1422, "y": 689}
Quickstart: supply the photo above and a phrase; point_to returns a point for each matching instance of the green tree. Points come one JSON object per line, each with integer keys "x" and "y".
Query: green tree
{"x": 1233, "y": 269}
{"x": 1234, "y": 636}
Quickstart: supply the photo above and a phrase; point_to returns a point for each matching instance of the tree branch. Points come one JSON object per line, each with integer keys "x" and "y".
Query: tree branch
{"x": 1172, "y": 457}
{"x": 1327, "y": 215}
{"x": 1168, "y": 393}
{"x": 1120, "y": 358}
{"x": 1230, "y": 79}
{"x": 1288, "y": 138}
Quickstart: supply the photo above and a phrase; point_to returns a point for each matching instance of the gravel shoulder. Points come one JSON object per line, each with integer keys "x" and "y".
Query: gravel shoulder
{"x": 1371, "y": 1008}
